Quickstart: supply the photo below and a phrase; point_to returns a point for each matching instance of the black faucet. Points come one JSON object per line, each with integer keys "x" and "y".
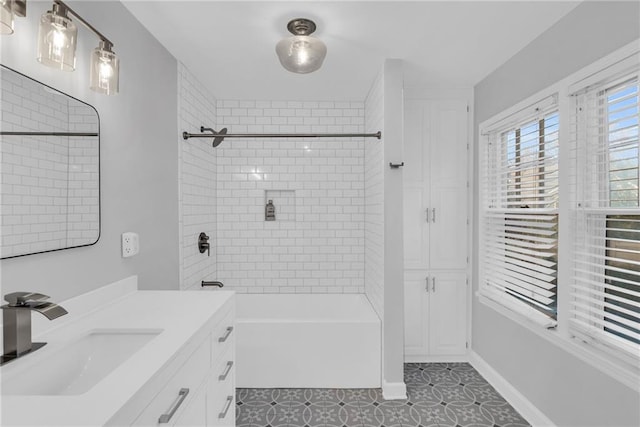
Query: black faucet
{"x": 16, "y": 322}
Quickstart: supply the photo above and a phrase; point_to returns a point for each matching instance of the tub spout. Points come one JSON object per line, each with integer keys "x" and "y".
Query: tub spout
{"x": 211, "y": 283}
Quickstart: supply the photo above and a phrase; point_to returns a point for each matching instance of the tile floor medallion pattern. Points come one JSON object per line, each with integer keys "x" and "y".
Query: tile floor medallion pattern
{"x": 439, "y": 394}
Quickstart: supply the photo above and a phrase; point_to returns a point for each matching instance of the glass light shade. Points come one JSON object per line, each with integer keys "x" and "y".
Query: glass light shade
{"x": 301, "y": 54}
{"x": 57, "y": 39}
{"x": 105, "y": 71}
{"x": 6, "y": 17}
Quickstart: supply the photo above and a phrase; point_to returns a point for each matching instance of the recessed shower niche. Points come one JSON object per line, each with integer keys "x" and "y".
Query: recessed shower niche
{"x": 284, "y": 202}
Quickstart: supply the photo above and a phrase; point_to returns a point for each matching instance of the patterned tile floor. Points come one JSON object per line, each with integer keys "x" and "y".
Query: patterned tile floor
{"x": 439, "y": 394}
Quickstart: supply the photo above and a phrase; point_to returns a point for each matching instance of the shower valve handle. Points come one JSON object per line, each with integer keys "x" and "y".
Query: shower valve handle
{"x": 203, "y": 244}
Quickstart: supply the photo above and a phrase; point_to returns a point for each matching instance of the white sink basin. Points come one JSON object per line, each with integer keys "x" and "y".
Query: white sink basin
{"x": 76, "y": 368}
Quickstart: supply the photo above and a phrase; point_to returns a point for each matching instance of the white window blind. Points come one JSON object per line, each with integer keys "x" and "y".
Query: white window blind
{"x": 604, "y": 298}
{"x": 519, "y": 185}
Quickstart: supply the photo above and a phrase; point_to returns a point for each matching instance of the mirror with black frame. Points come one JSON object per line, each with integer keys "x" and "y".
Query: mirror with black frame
{"x": 49, "y": 168}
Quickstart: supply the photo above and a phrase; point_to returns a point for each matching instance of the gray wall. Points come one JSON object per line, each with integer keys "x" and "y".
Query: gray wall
{"x": 567, "y": 390}
{"x": 139, "y": 156}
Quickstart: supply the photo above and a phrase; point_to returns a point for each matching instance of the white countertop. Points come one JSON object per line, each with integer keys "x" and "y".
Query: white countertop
{"x": 179, "y": 314}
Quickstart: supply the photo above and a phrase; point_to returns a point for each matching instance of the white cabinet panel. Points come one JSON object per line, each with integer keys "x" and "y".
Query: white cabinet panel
{"x": 416, "y": 310}
{"x": 435, "y": 184}
{"x": 448, "y": 144}
{"x": 416, "y": 126}
{"x": 435, "y": 314}
{"x": 189, "y": 376}
{"x": 448, "y": 230}
{"x": 195, "y": 413}
{"x": 416, "y": 233}
{"x": 435, "y": 233}
{"x": 447, "y": 313}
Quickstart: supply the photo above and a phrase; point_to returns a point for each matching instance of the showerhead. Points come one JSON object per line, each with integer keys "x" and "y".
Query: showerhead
{"x": 218, "y": 139}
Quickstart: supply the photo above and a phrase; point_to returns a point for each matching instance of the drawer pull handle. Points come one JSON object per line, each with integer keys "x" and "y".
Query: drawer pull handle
{"x": 226, "y": 334}
{"x": 227, "y": 405}
{"x": 182, "y": 394}
{"x": 226, "y": 371}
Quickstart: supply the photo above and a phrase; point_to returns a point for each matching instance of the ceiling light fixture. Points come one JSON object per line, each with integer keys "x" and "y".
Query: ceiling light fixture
{"x": 301, "y": 53}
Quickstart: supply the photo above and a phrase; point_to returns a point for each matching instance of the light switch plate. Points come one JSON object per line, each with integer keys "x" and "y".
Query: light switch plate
{"x": 130, "y": 245}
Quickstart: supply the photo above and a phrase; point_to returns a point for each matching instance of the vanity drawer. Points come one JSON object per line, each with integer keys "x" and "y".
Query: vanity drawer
{"x": 223, "y": 336}
{"x": 222, "y": 402}
{"x": 179, "y": 391}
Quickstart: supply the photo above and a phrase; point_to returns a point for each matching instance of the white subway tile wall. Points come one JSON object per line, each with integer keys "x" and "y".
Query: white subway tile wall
{"x": 374, "y": 197}
{"x": 316, "y": 243}
{"x": 197, "y": 189}
{"x": 50, "y": 184}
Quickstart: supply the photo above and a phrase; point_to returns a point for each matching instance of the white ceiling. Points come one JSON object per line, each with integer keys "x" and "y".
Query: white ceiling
{"x": 230, "y": 45}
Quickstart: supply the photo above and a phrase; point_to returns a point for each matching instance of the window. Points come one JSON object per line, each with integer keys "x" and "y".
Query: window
{"x": 520, "y": 211}
{"x": 605, "y": 293}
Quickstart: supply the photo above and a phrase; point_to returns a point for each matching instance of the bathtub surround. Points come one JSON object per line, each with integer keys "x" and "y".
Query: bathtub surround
{"x": 316, "y": 243}
{"x": 374, "y": 198}
{"x": 566, "y": 389}
{"x": 334, "y": 200}
{"x": 198, "y": 177}
{"x": 138, "y": 158}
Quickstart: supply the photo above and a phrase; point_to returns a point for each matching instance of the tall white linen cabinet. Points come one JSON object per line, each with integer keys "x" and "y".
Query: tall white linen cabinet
{"x": 436, "y": 225}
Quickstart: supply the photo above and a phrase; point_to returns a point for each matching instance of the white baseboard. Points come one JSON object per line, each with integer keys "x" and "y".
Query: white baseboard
{"x": 528, "y": 410}
{"x": 394, "y": 391}
{"x": 436, "y": 359}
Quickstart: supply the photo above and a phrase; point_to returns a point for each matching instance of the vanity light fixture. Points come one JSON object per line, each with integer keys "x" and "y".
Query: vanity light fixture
{"x": 105, "y": 69}
{"x": 301, "y": 53}
{"x": 9, "y": 9}
{"x": 57, "y": 39}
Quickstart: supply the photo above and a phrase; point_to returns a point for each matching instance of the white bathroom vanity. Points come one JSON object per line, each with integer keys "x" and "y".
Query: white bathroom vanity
{"x": 128, "y": 357}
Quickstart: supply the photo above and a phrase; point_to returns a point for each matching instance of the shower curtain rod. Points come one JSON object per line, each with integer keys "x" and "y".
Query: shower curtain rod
{"x": 218, "y": 137}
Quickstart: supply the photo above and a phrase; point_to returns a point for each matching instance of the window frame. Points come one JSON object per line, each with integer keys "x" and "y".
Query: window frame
{"x": 495, "y": 145}
{"x": 592, "y": 215}
{"x": 559, "y": 336}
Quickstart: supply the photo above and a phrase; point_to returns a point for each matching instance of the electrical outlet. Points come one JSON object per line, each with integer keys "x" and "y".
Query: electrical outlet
{"x": 130, "y": 245}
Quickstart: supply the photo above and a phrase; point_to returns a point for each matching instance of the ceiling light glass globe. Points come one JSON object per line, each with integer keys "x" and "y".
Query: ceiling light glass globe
{"x": 301, "y": 54}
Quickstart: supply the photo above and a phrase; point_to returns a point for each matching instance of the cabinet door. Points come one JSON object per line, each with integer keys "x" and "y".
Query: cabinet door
{"x": 415, "y": 228}
{"x": 448, "y": 229}
{"x": 195, "y": 414}
{"x": 416, "y": 310}
{"x": 448, "y": 185}
{"x": 447, "y": 313}
{"x": 415, "y": 190}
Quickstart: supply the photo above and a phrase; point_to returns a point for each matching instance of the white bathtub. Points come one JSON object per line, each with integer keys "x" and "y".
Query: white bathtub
{"x": 307, "y": 340}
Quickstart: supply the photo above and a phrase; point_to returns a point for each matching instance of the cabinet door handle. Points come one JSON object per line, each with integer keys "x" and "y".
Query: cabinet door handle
{"x": 433, "y": 215}
{"x": 427, "y": 280}
{"x": 226, "y": 371}
{"x": 227, "y": 405}
{"x": 182, "y": 394}
{"x": 226, "y": 334}
{"x": 427, "y": 214}
{"x": 433, "y": 283}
